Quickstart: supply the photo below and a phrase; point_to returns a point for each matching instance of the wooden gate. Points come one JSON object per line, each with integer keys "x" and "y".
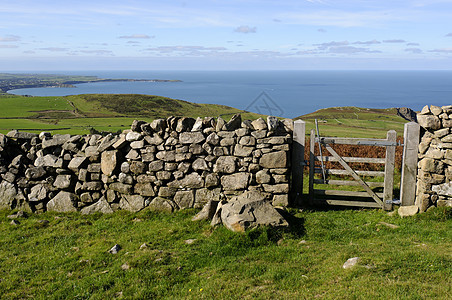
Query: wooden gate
{"x": 367, "y": 197}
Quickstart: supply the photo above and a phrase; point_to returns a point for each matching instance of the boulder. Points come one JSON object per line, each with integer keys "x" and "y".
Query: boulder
{"x": 429, "y": 121}
{"x": 109, "y": 162}
{"x": 8, "y": 193}
{"x": 77, "y": 163}
{"x": 132, "y": 203}
{"x": 49, "y": 160}
{"x": 161, "y": 204}
{"x": 234, "y": 123}
{"x": 407, "y": 211}
{"x": 195, "y": 137}
{"x": 443, "y": 189}
{"x": 250, "y": 210}
{"x": 100, "y": 206}
{"x": 63, "y": 202}
{"x": 237, "y": 181}
{"x": 184, "y": 199}
{"x": 225, "y": 164}
{"x": 274, "y": 160}
{"x": 207, "y": 212}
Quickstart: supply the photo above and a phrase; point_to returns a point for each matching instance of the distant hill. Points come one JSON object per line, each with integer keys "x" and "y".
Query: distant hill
{"x": 358, "y": 122}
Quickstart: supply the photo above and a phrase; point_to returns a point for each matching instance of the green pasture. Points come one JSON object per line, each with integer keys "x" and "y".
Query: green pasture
{"x": 167, "y": 256}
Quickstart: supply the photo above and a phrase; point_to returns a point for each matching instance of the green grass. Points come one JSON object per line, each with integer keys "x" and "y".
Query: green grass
{"x": 355, "y": 122}
{"x": 78, "y": 114}
{"x": 68, "y": 259}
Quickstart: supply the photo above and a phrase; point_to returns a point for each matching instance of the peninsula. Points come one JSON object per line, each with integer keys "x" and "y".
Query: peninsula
{"x": 20, "y": 81}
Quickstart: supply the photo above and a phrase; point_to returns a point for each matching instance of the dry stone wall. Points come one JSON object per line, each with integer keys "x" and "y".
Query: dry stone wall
{"x": 434, "y": 179}
{"x": 168, "y": 164}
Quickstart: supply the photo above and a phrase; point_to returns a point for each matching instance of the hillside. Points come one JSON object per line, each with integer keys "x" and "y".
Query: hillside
{"x": 103, "y": 112}
{"x": 356, "y": 121}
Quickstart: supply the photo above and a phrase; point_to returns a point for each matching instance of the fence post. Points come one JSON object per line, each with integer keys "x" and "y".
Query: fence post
{"x": 298, "y": 145}
{"x": 409, "y": 163}
{"x": 311, "y": 167}
{"x": 389, "y": 171}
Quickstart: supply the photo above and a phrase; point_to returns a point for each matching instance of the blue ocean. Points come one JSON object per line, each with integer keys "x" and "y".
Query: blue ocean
{"x": 280, "y": 93}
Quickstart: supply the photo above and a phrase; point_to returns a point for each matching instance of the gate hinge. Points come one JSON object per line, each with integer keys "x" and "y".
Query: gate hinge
{"x": 394, "y": 201}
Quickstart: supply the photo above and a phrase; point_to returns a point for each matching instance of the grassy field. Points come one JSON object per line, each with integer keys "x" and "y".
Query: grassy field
{"x": 67, "y": 257}
{"x": 79, "y": 114}
{"x": 355, "y": 122}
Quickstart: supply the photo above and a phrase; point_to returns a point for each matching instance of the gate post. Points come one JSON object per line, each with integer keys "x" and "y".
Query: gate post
{"x": 389, "y": 171}
{"x": 409, "y": 163}
{"x": 298, "y": 145}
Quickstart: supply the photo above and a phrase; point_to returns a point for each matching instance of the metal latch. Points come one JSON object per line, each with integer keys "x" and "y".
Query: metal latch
{"x": 394, "y": 201}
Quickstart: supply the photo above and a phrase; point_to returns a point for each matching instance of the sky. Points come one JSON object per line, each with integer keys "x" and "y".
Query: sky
{"x": 225, "y": 35}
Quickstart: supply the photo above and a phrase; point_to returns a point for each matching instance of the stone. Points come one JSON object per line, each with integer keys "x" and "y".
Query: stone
{"x": 21, "y": 135}
{"x": 8, "y": 193}
{"x": 115, "y": 249}
{"x": 109, "y": 162}
{"x": 288, "y": 125}
{"x": 137, "y": 144}
{"x": 156, "y": 166}
{"x": 137, "y": 167}
{"x": 121, "y": 142}
{"x": 280, "y": 200}
{"x": 234, "y": 123}
{"x": 77, "y": 163}
{"x": 237, "y": 181}
{"x": 243, "y": 151}
{"x": 94, "y": 168}
{"x": 207, "y": 212}
{"x": 193, "y": 180}
{"x": 184, "y": 199}
{"x": 200, "y": 164}
{"x": 191, "y": 137}
{"x": 447, "y": 123}
{"x": 282, "y": 188}
{"x": 167, "y": 192}
{"x": 213, "y": 139}
{"x": 247, "y": 141}
{"x": 272, "y": 123}
{"x": 92, "y": 186}
{"x": 38, "y": 193}
{"x": 441, "y": 132}
{"x": 63, "y": 181}
{"x": 250, "y": 211}
{"x": 351, "y": 262}
{"x": 211, "y": 180}
{"x": 91, "y": 151}
{"x": 205, "y": 195}
{"x": 429, "y": 122}
{"x": 443, "y": 189}
{"x": 125, "y": 178}
{"x": 158, "y": 125}
{"x": 263, "y": 176}
{"x": 166, "y": 155}
{"x": 63, "y": 202}
{"x": 132, "y": 203}
{"x": 185, "y": 124}
{"x": 274, "y": 160}
{"x": 121, "y": 188}
{"x": 49, "y": 160}
{"x": 133, "y": 136}
{"x": 447, "y": 139}
{"x": 136, "y": 125}
{"x": 198, "y": 124}
{"x": 408, "y": 211}
{"x": 162, "y": 205}
{"x": 225, "y": 164}
{"x": 436, "y": 110}
{"x": 100, "y": 206}
{"x": 220, "y": 124}
{"x": 163, "y": 175}
{"x": 144, "y": 189}
{"x": 259, "y": 124}
{"x": 444, "y": 203}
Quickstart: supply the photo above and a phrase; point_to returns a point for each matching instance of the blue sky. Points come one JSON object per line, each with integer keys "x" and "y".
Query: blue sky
{"x": 226, "y": 34}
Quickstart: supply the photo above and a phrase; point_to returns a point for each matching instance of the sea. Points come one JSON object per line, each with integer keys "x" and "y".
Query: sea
{"x": 286, "y": 94}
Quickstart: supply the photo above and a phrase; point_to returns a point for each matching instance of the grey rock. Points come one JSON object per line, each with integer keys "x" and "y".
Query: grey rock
{"x": 263, "y": 176}
{"x": 225, "y": 164}
{"x": 200, "y": 164}
{"x": 351, "y": 262}
{"x": 220, "y": 124}
{"x": 250, "y": 211}
{"x": 185, "y": 124}
{"x": 429, "y": 122}
{"x": 161, "y": 204}
{"x": 8, "y": 193}
{"x": 109, "y": 162}
{"x": 198, "y": 124}
{"x": 213, "y": 139}
{"x": 63, "y": 202}
{"x": 443, "y": 189}
{"x": 121, "y": 188}
{"x": 133, "y": 136}
{"x": 132, "y": 203}
{"x": 184, "y": 199}
{"x": 156, "y": 166}
{"x": 191, "y": 137}
{"x": 407, "y": 211}
{"x": 234, "y": 123}
{"x": 237, "y": 181}
{"x": 56, "y": 140}
{"x": 77, "y": 163}
{"x": 243, "y": 151}
{"x": 35, "y": 172}
{"x": 21, "y": 135}
{"x": 274, "y": 160}
{"x": 158, "y": 125}
{"x": 137, "y": 167}
{"x": 92, "y": 186}
{"x": 259, "y": 124}
{"x": 115, "y": 249}
{"x": 63, "y": 181}
{"x": 207, "y": 211}
{"x": 144, "y": 189}
{"x": 107, "y": 142}
{"x": 49, "y": 160}
{"x": 136, "y": 125}
{"x": 100, "y": 206}
{"x": 193, "y": 180}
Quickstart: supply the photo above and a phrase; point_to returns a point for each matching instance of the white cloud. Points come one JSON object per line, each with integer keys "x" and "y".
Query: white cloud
{"x": 8, "y": 46}
{"x": 169, "y": 49}
{"x": 373, "y": 42}
{"x": 413, "y": 50}
{"x": 54, "y": 49}
{"x": 350, "y": 50}
{"x": 97, "y": 52}
{"x": 449, "y": 34}
{"x": 395, "y": 41}
{"x": 331, "y": 44}
{"x": 137, "y": 36}
{"x": 9, "y": 38}
{"x": 245, "y": 29}
{"x": 412, "y": 44}
{"x": 442, "y": 50}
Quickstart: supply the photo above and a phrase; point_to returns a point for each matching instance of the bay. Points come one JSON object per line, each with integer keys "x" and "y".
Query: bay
{"x": 280, "y": 93}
